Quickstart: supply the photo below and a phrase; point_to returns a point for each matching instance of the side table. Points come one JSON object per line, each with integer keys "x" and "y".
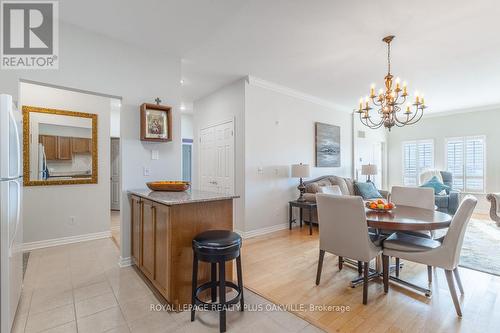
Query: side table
{"x": 309, "y": 205}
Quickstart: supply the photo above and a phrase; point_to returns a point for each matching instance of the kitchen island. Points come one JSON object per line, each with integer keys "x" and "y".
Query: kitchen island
{"x": 163, "y": 225}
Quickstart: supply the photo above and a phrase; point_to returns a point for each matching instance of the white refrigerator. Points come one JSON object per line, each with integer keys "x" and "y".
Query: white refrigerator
{"x": 11, "y": 227}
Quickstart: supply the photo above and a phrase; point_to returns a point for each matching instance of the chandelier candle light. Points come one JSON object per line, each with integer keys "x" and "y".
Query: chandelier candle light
{"x": 390, "y": 102}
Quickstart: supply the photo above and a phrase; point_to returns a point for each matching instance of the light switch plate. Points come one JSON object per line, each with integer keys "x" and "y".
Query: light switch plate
{"x": 146, "y": 171}
{"x": 155, "y": 154}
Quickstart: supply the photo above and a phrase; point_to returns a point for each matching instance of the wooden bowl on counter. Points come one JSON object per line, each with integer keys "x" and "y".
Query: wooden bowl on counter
{"x": 169, "y": 186}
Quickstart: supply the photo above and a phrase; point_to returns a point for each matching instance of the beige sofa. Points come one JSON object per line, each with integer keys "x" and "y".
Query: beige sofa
{"x": 346, "y": 186}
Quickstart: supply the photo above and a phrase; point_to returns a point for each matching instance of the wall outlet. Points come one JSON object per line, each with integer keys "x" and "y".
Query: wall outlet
{"x": 72, "y": 220}
{"x": 260, "y": 170}
{"x": 146, "y": 171}
{"x": 155, "y": 154}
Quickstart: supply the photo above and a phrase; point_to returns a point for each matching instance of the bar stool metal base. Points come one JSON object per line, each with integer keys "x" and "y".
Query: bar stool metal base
{"x": 216, "y": 306}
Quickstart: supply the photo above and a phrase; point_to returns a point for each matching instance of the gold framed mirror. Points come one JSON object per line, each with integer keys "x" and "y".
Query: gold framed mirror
{"x": 59, "y": 147}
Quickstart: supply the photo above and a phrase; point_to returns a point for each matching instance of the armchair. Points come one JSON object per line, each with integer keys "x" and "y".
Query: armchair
{"x": 494, "y": 198}
{"x": 447, "y": 203}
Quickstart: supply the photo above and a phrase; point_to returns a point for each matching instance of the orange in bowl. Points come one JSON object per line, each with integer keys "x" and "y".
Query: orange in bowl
{"x": 380, "y": 205}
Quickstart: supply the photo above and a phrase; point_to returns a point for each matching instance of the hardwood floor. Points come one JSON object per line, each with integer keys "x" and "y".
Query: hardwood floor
{"x": 281, "y": 267}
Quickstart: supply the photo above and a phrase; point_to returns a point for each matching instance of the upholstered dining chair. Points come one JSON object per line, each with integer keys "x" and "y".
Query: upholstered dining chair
{"x": 343, "y": 231}
{"x": 419, "y": 197}
{"x": 443, "y": 252}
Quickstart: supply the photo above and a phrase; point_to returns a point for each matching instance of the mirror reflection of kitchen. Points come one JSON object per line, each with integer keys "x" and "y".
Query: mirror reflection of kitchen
{"x": 61, "y": 147}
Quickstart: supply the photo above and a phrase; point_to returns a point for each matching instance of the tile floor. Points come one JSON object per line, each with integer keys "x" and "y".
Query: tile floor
{"x": 115, "y": 226}
{"x": 80, "y": 288}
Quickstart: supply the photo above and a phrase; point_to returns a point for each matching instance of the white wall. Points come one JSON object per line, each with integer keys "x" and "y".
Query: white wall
{"x": 280, "y": 131}
{"x": 272, "y": 131}
{"x": 94, "y": 62}
{"x": 225, "y": 104}
{"x": 187, "y": 130}
{"x": 365, "y": 151}
{"x": 47, "y": 209}
{"x": 115, "y": 118}
{"x": 477, "y": 122}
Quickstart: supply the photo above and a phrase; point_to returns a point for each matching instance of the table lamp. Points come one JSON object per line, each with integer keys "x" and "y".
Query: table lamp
{"x": 301, "y": 171}
{"x": 368, "y": 170}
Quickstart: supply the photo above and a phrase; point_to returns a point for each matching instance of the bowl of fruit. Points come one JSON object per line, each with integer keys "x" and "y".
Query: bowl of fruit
{"x": 169, "y": 186}
{"x": 380, "y": 205}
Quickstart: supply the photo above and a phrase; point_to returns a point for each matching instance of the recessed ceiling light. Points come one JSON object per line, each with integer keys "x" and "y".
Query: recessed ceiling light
{"x": 182, "y": 82}
{"x": 183, "y": 107}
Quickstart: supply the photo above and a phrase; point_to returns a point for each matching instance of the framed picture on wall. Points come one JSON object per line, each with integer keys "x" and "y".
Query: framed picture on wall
{"x": 327, "y": 138}
{"x": 156, "y": 122}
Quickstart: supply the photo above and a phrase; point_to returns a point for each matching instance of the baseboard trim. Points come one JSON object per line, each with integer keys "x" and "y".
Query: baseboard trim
{"x": 65, "y": 240}
{"x": 262, "y": 231}
{"x": 125, "y": 262}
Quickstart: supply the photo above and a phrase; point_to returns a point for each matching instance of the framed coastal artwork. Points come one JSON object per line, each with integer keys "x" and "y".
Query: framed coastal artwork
{"x": 156, "y": 122}
{"x": 327, "y": 145}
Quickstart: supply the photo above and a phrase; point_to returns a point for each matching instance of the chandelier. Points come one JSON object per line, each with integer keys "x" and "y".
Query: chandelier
{"x": 390, "y": 102}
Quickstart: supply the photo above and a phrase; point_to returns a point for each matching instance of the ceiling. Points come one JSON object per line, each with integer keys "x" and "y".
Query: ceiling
{"x": 325, "y": 48}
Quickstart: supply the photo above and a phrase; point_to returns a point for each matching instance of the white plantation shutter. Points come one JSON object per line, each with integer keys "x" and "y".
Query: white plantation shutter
{"x": 417, "y": 156}
{"x": 425, "y": 155}
{"x": 409, "y": 163}
{"x": 466, "y": 161}
{"x": 455, "y": 161}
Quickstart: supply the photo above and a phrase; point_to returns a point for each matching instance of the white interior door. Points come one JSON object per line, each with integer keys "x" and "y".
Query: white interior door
{"x": 115, "y": 174}
{"x": 216, "y": 162}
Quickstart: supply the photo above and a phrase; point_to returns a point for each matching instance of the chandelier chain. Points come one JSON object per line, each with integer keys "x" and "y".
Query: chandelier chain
{"x": 389, "y": 58}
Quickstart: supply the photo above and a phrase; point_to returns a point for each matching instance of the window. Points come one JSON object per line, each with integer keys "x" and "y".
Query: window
{"x": 465, "y": 159}
{"x": 417, "y": 156}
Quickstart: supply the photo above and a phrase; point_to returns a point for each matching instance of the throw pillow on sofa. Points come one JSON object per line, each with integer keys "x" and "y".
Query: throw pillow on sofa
{"x": 437, "y": 185}
{"x": 333, "y": 189}
{"x": 367, "y": 190}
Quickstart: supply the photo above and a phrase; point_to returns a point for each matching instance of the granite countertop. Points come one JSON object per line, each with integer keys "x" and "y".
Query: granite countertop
{"x": 179, "y": 198}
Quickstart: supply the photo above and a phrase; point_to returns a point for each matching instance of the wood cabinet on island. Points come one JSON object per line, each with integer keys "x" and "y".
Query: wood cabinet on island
{"x": 163, "y": 225}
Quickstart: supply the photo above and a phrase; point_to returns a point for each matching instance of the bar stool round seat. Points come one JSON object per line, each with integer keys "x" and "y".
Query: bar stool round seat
{"x": 217, "y": 247}
{"x": 210, "y": 245}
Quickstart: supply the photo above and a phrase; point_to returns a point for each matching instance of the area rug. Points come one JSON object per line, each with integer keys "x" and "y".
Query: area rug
{"x": 481, "y": 246}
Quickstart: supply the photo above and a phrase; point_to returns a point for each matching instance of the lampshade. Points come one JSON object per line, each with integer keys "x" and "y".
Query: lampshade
{"x": 301, "y": 170}
{"x": 368, "y": 169}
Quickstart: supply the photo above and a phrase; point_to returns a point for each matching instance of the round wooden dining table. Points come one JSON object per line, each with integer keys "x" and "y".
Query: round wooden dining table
{"x": 405, "y": 218}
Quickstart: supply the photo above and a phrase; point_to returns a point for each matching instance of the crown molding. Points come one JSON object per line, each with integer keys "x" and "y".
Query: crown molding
{"x": 255, "y": 81}
{"x": 490, "y": 107}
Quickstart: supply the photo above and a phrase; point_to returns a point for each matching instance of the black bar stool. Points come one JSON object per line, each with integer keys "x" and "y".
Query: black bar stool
{"x": 217, "y": 247}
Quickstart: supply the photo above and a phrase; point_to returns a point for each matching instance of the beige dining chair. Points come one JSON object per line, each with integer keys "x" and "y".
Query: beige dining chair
{"x": 443, "y": 252}
{"x": 419, "y": 197}
{"x": 343, "y": 231}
